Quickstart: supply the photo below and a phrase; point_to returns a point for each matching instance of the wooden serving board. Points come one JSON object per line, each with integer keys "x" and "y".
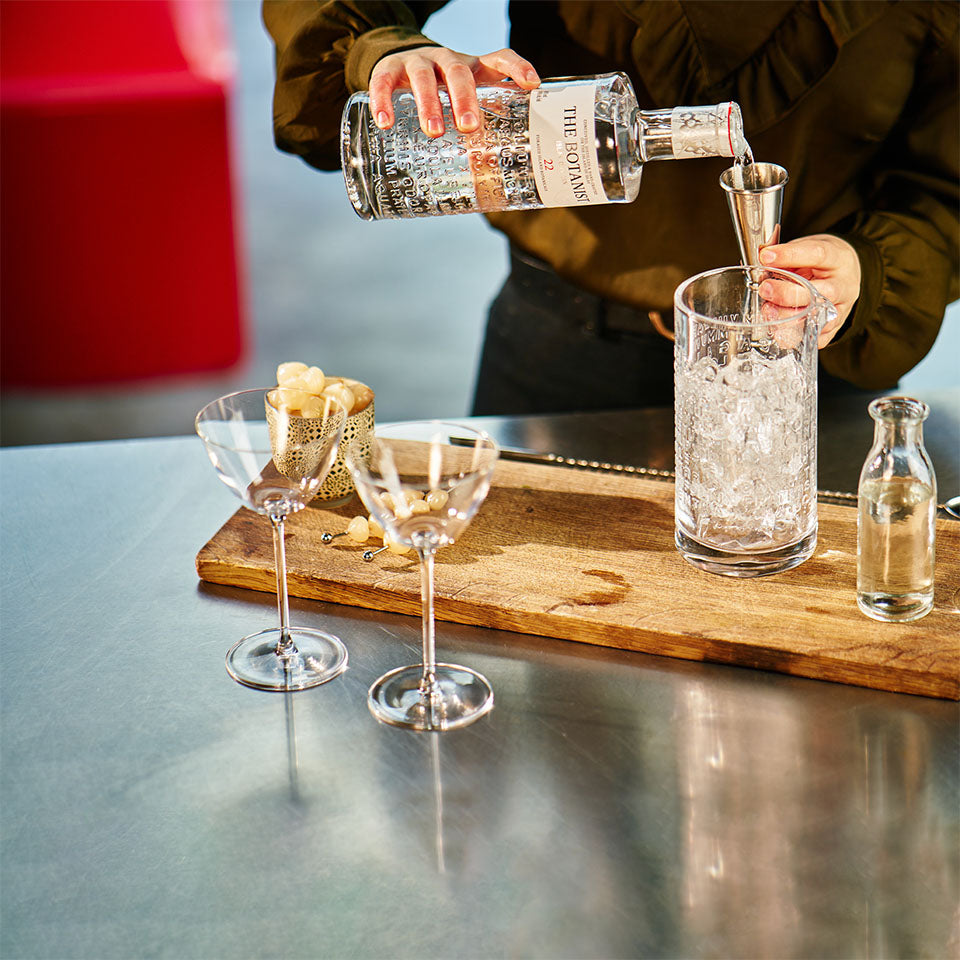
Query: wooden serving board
{"x": 590, "y": 557}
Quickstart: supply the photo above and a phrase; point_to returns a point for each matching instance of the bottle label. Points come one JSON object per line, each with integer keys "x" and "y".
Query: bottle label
{"x": 563, "y": 145}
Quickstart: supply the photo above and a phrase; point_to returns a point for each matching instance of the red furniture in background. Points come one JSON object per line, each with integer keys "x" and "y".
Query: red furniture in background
{"x": 118, "y": 248}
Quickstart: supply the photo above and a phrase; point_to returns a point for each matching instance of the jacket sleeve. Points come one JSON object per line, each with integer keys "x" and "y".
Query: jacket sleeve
{"x": 908, "y": 240}
{"x": 325, "y": 52}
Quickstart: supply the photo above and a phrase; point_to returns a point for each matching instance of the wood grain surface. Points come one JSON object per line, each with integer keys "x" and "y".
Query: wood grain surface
{"x": 590, "y": 557}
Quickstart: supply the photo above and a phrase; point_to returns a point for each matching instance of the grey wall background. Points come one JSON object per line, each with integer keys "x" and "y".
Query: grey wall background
{"x": 400, "y": 305}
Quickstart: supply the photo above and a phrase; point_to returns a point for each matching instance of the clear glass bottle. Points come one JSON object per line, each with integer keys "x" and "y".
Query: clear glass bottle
{"x": 897, "y": 505}
{"x": 573, "y": 141}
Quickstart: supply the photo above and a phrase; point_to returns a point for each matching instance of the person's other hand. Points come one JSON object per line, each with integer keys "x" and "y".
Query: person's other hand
{"x": 829, "y": 263}
{"x": 423, "y": 68}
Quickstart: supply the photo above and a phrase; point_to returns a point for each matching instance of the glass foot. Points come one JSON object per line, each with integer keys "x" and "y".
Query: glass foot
{"x": 745, "y": 563}
{"x": 895, "y": 608}
{"x": 460, "y": 696}
{"x": 315, "y": 658}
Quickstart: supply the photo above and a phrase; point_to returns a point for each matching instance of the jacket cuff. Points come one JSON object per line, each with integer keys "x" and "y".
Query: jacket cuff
{"x": 871, "y": 288}
{"x": 373, "y": 46}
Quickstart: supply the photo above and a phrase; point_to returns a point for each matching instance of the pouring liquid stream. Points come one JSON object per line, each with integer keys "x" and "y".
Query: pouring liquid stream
{"x": 746, "y": 177}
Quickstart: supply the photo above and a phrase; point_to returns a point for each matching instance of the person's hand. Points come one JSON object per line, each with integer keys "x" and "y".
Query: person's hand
{"x": 829, "y": 263}
{"x": 422, "y": 68}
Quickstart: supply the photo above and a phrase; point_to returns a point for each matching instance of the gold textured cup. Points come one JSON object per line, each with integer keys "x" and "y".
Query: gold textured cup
{"x": 338, "y": 486}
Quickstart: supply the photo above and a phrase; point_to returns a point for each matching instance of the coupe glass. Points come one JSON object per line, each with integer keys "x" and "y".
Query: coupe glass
{"x": 423, "y": 490}
{"x": 275, "y": 463}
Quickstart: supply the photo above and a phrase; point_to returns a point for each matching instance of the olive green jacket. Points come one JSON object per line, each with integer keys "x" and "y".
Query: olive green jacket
{"x": 858, "y": 99}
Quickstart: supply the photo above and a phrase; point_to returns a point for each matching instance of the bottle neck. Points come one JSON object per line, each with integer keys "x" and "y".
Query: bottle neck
{"x": 898, "y": 422}
{"x": 889, "y": 434}
{"x": 688, "y": 132}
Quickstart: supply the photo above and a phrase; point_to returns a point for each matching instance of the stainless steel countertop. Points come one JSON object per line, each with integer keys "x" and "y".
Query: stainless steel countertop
{"x": 612, "y": 805}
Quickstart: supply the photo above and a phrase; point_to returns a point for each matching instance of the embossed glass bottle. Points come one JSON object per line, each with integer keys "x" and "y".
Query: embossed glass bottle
{"x": 897, "y": 504}
{"x": 573, "y": 141}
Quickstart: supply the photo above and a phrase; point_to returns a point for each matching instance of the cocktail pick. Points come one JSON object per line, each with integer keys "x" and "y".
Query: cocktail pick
{"x": 367, "y": 555}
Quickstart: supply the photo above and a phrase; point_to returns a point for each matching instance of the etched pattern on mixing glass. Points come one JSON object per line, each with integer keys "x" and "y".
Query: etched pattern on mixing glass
{"x": 750, "y": 483}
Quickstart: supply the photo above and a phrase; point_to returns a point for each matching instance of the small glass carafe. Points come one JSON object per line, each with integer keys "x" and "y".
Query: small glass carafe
{"x": 897, "y": 504}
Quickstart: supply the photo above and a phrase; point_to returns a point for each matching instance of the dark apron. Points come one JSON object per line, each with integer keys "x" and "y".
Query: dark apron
{"x": 551, "y": 347}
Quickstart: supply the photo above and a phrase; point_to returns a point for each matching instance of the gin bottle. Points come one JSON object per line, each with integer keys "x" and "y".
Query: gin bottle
{"x": 897, "y": 503}
{"x": 574, "y": 141}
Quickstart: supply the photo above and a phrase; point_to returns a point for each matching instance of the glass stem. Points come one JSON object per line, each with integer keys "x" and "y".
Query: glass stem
{"x": 428, "y": 682}
{"x": 285, "y": 643}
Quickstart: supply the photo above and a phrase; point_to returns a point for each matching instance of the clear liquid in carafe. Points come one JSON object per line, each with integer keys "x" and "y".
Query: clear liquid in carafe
{"x": 896, "y": 548}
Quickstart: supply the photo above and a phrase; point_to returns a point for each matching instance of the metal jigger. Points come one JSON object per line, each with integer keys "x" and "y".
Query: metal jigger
{"x": 755, "y": 197}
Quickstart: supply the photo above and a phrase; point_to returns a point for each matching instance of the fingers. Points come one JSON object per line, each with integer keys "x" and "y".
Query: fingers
{"x": 388, "y": 74}
{"x": 457, "y": 73}
{"x": 789, "y": 334}
{"x": 784, "y": 294}
{"x": 507, "y": 63}
{"x": 829, "y": 330}
{"x": 414, "y": 69}
{"x": 423, "y": 84}
{"x": 381, "y": 106}
{"x": 830, "y": 263}
{"x": 423, "y": 69}
{"x": 782, "y": 299}
{"x": 805, "y": 252}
